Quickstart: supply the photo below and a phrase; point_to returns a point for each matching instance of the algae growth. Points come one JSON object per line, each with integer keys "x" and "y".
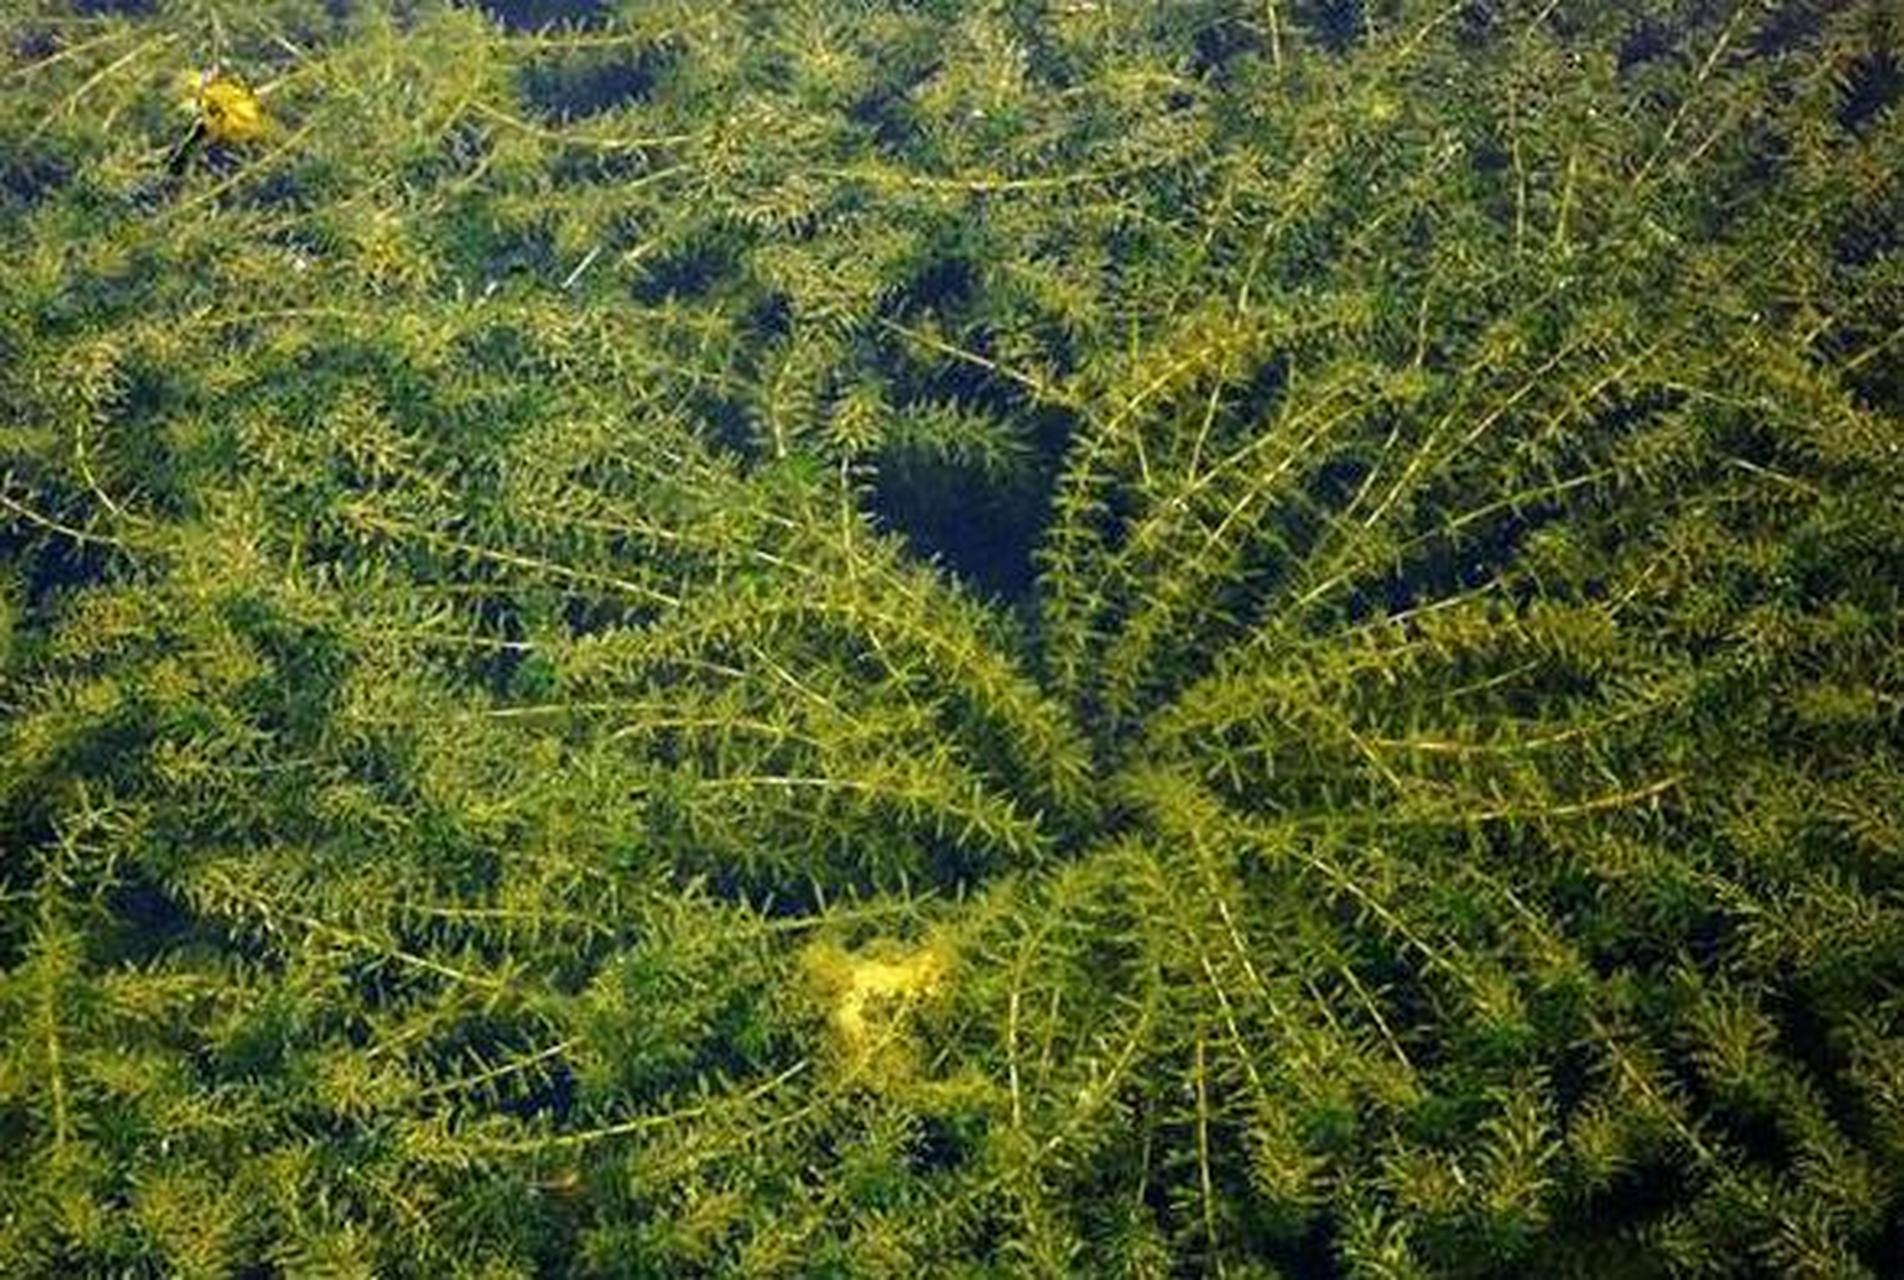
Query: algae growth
{"x": 1026, "y": 637}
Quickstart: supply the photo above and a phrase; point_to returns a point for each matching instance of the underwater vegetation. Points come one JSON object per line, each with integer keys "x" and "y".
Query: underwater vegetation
{"x": 905, "y": 637}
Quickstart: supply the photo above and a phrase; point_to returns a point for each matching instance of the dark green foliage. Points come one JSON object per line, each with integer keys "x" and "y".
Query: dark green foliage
{"x": 846, "y": 637}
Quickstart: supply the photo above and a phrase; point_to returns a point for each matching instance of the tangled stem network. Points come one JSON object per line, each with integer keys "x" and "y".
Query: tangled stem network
{"x": 1151, "y": 637}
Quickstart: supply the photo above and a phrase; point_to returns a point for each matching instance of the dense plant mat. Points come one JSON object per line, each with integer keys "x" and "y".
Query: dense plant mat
{"x": 910, "y": 637}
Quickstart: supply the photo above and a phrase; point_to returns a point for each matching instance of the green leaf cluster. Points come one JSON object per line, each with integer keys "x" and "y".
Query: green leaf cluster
{"x": 870, "y": 637}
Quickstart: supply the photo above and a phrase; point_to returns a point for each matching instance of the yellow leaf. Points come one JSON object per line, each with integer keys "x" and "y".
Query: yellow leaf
{"x": 230, "y": 112}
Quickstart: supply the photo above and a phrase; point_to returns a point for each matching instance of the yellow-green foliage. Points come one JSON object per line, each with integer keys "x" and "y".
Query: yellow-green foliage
{"x": 228, "y": 110}
{"x": 660, "y": 638}
{"x": 871, "y": 996}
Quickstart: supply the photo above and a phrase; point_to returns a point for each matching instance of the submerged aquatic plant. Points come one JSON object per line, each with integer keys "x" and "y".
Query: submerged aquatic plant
{"x": 853, "y": 636}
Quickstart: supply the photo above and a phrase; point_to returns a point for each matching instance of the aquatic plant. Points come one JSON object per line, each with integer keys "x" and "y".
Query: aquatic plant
{"x": 848, "y": 637}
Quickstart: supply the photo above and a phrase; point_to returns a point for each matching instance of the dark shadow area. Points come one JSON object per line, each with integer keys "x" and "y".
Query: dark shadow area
{"x": 575, "y": 88}
{"x": 1336, "y": 25}
{"x": 978, "y": 529}
{"x": 979, "y": 522}
{"x": 689, "y": 271}
{"x": 60, "y": 565}
{"x": 534, "y": 15}
{"x": 1789, "y": 27}
{"x": 1874, "y": 86}
{"x": 146, "y": 923}
{"x": 1647, "y": 41}
{"x": 1217, "y": 45}
{"x": 27, "y": 177}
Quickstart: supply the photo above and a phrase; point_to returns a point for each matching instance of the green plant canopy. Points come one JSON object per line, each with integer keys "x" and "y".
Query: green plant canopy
{"x": 951, "y": 638}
